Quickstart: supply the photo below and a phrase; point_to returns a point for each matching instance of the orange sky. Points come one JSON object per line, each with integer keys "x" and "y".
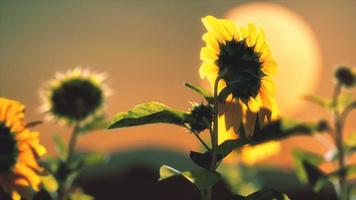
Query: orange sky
{"x": 148, "y": 50}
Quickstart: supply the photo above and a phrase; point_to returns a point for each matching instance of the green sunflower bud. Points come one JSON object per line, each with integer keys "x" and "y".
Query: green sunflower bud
{"x": 344, "y": 76}
{"x": 200, "y": 117}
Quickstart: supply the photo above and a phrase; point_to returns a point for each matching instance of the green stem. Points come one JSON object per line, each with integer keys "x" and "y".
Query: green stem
{"x": 64, "y": 188}
{"x": 214, "y": 135}
{"x": 338, "y": 123}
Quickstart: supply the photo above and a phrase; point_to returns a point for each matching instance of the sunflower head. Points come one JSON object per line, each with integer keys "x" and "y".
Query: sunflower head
{"x": 240, "y": 58}
{"x": 75, "y": 96}
{"x": 19, "y": 151}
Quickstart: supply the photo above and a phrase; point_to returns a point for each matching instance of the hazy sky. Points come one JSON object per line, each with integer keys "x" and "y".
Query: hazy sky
{"x": 148, "y": 49}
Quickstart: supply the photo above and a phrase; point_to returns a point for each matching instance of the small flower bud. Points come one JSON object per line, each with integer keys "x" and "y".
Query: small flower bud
{"x": 200, "y": 117}
{"x": 344, "y": 76}
{"x": 323, "y": 125}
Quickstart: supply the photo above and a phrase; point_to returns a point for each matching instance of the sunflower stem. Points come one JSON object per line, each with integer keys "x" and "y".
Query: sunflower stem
{"x": 64, "y": 186}
{"x": 338, "y": 123}
{"x": 214, "y": 135}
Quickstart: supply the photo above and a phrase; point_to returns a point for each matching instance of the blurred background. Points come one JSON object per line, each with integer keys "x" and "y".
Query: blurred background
{"x": 149, "y": 49}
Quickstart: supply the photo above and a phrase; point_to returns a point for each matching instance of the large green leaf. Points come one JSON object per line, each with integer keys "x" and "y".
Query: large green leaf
{"x": 275, "y": 130}
{"x": 205, "y": 93}
{"x": 280, "y": 129}
{"x": 265, "y": 194}
{"x": 202, "y": 178}
{"x": 147, "y": 113}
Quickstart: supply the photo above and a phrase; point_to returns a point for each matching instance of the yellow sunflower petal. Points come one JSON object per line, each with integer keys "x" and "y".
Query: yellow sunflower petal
{"x": 211, "y": 41}
{"x": 252, "y": 35}
{"x": 269, "y": 67}
{"x": 215, "y": 26}
{"x": 208, "y": 54}
{"x": 207, "y": 68}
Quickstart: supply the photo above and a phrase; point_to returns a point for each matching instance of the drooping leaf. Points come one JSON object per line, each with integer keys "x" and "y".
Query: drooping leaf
{"x": 275, "y": 130}
{"x": 147, "y": 113}
{"x": 99, "y": 122}
{"x": 202, "y": 178}
{"x": 306, "y": 164}
{"x": 265, "y": 194}
{"x": 201, "y": 159}
{"x": 228, "y": 146}
{"x": 205, "y": 93}
{"x": 60, "y": 146}
{"x": 280, "y": 129}
{"x": 321, "y": 101}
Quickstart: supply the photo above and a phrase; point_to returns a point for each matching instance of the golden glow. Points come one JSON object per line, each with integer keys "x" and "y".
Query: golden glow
{"x": 293, "y": 45}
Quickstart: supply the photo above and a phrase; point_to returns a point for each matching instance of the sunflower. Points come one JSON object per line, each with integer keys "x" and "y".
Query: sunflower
{"x": 74, "y": 97}
{"x": 19, "y": 151}
{"x": 241, "y": 59}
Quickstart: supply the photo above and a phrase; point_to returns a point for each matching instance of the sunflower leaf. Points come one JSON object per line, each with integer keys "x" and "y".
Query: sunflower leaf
{"x": 99, "y": 122}
{"x": 282, "y": 128}
{"x": 228, "y": 146}
{"x": 265, "y": 194}
{"x": 321, "y": 101}
{"x": 205, "y": 93}
{"x": 307, "y": 169}
{"x": 60, "y": 146}
{"x": 302, "y": 156}
{"x": 148, "y": 113}
{"x": 201, "y": 178}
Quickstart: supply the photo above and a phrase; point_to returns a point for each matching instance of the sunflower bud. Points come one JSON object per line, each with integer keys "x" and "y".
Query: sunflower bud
{"x": 345, "y": 76}
{"x": 200, "y": 117}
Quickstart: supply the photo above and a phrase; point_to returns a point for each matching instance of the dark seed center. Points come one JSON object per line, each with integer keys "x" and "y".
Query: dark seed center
{"x": 76, "y": 99}
{"x": 8, "y": 149}
{"x": 243, "y": 68}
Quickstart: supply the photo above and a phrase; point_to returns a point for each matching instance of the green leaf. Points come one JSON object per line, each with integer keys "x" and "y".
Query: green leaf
{"x": 99, "y": 122}
{"x": 80, "y": 196}
{"x": 201, "y": 159}
{"x": 306, "y": 166}
{"x": 94, "y": 158}
{"x": 321, "y": 101}
{"x": 60, "y": 146}
{"x": 281, "y": 129}
{"x": 147, "y": 113}
{"x": 275, "y": 130}
{"x": 228, "y": 146}
{"x": 307, "y": 169}
{"x": 205, "y": 93}
{"x": 202, "y": 178}
{"x": 265, "y": 194}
